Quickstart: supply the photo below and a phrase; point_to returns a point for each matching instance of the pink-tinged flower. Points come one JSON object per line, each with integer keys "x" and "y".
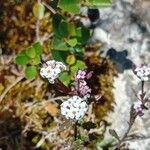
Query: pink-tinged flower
{"x": 142, "y": 72}
{"x": 82, "y": 83}
{"x": 81, "y": 74}
{"x": 89, "y": 75}
{"x": 84, "y": 89}
{"x": 138, "y": 107}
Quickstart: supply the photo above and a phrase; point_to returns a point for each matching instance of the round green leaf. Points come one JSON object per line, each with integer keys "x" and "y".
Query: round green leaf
{"x": 30, "y": 52}
{"x": 70, "y": 59}
{"x": 65, "y": 78}
{"x": 21, "y": 60}
{"x": 72, "y": 42}
{"x": 59, "y": 55}
{"x": 38, "y": 48}
{"x": 30, "y": 72}
{"x": 38, "y": 10}
{"x": 57, "y": 18}
{"x": 58, "y": 44}
{"x": 78, "y": 65}
{"x": 36, "y": 60}
{"x": 63, "y": 29}
{"x": 72, "y": 6}
{"x": 83, "y": 35}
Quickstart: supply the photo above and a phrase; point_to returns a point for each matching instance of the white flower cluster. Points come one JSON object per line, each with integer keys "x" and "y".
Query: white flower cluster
{"x": 51, "y": 70}
{"x": 142, "y": 72}
{"x": 138, "y": 108}
{"x": 74, "y": 108}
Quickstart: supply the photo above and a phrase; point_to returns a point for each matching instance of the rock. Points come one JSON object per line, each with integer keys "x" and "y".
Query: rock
{"x": 126, "y": 26}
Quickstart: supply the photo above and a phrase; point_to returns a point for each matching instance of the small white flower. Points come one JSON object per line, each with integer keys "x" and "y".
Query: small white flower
{"x": 138, "y": 108}
{"x": 51, "y": 70}
{"x": 74, "y": 108}
{"x": 142, "y": 72}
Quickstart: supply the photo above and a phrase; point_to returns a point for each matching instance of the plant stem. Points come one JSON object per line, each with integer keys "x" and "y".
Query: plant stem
{"x": 126, "y": 133}
{"x": 75, "y": 130}
{"x": 132, "y": 118}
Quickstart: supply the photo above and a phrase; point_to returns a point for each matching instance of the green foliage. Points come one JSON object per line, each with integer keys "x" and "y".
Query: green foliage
{"x": 38, "y": 10}
{"x": 21, "y": 59}
{"x": 58, "y": 44}
{"x": 54, "y": 4}
{"x": 65, "y": 78}
{"x": 30, "y": 72}
{"x": 38, "y": 48}
{"x": 59, "y": 55}
{"x": 30, "y": 52}
{"x": 83, "y": 35}
{"x": 36, "y": 60}
{"x": 67, "y": 46}
{"x": 72, "y": 42}
{"x": 99, "y": 3}
{"x": 72, "y": 6}
{"x": 63, "y": 29}
{"x": 30, "y": 56}
{"x": 70, "y": 60}
{"x": 78, "y": 65}
{"x": 56, "y": 20}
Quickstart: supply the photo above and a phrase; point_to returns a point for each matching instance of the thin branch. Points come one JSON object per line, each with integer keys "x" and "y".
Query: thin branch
{"x": 37, "y": 30}
{"x": 46, "y": 37}
{"x": 9, "y": 87}
{"x": 75, "y": 130}
{"x": 133, "y": 116}
{"x": 37, "y": 27}
{"x": 125, "y": 134}
{"x": 49, "y": 7}
{"x": 58, "y": 98}
{"x": 138, "y": 138}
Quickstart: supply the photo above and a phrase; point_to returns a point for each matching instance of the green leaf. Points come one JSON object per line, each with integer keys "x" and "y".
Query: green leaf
{"x": 59, "y": 55}
{"x": 23, "y": 52}
{"x": 21, "y": 59}
{"x": 78, "y": 32}
{"x": 54, "y": 4}
{"x": 30, "y": 52}
{"x": 114, "y": 134}
{"x": 38, "y": 10}
{"x": 36, "y": 60}
{"x": 57, "y": 18}
{"x": 100, "y": 3}
{"x": 83, "y": 35}
{"x": 72, "y": 42}
{"x": 79, "y": 50}
{"x": 72, "y": 29}
{"x": 59, "y": 45}
{"x": 63, "y": 29}
{"x": 30, "y": 72}
{"x": 65, "y": 78}
{"x": 72, "y": 6}
{"x": 78, "y": 65}
{"x": 70, "y": 59}
{"x": 38, "y": 48}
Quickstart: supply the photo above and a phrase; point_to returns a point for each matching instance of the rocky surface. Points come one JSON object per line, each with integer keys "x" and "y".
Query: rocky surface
{"x": 126, "y": 26}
